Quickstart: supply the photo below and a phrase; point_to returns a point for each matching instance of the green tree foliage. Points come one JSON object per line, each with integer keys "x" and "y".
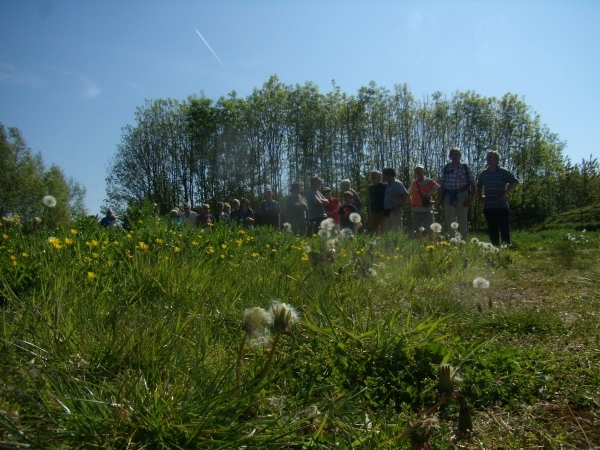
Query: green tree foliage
{"x": 25, "y": 180}
{"x": 198, "y": 150}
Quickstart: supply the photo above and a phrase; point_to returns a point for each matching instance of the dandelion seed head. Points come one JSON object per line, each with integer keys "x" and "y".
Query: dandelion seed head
{"x": 37, "y": 220}
{"x": 284, "y": 316}
{"x": 328, "y": 224}
{"x": 474, "y": 241}
{"x": 354, "y": 217}
{"x": 306, "y": 249}
{"x": 49, "y": 201}
{"x": 481, "y": 283}
{"x": 371, "y": 272}
{"x": 324, "y": 233}
{"x": 421, "y": 229}
{"x": 346, "y": 233}
{"x": 436, "y": 227}
{"x": 287, "y": 227}
{"x": 454, "y": 225}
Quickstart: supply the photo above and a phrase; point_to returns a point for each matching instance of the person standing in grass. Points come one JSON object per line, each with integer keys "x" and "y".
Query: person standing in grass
{"x": 345, "y": 210}
{"x": 188, "y": 214}
{"x": 316, "y": 205}
{"x": 296, "y": 209}
{"x": 458, "y": 189}
{"x": 395, "y": 196}
{"x": 346, "y": 186}
{"x": 270, "y": 213}
{"x": 377, "y": 218}
{"x": 494, "y": 185}
{"x": 334, "y": 204}
{"x": 421, "y": 191}
{"x": 220, "y": 213}
{"x": 204, "y": 219}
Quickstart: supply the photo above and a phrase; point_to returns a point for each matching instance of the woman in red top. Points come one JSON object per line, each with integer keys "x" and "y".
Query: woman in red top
{"x": 334, "y": 205}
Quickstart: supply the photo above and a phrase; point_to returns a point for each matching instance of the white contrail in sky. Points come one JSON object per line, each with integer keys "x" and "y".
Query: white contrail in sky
{"x": 212, "y": 51}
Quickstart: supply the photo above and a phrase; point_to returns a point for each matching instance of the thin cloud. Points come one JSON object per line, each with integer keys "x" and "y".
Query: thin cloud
{"x": 10, "y": 74}
{"x": 212, "y": 51}
{"x": 90, "y": 89}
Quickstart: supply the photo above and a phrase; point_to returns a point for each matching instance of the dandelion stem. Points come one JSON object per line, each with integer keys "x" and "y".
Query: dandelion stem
{"x": 265, "y": 370}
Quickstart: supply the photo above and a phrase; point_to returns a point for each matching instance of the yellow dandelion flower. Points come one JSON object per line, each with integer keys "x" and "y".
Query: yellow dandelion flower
{"x": 142, "y": 246}
{"x": 92, "y": 275}
{"x": 116, "y": 243}
{"x": 73, "y": 231}
{"x": 223, "y": 246}
{"x": 194, "y": 243}
{"x": 445, "y": 243}
{"x": 241, "y": 232}
{"x": 159, "y": 241}
{"x": 211, "y": 249}
{"x": 254, "y": 255}
{"x": 430, "y": 248}
{"x": 268, "y": 246}
{"x": 95, "y": 255}
{"x": 304, "y": 257}
{"x": 239, "y": 242}
{"x": 13, "y": 257}
{"x": 128, "y": 235}
{"x": 25, "y": 255}
{"x": 55, "y": 242}
{"x": 68, "y": 241}
{"x": 176, "y": 249}
{"x": 222, "y": 256}
{"x": 5, "y": 236}
{"x": 274, "y": 250}
{"x": 395, "y": 256}
{"x": 6, "y": 219}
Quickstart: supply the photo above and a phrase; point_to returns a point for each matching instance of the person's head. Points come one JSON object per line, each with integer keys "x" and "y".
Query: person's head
{"x": 187, "y": 207}
{"x": 110, "y": 214}
{"x": 226, "y": 208}
{"x": 174, "y": 213}
{"x": 316, "y": 182}
{"x": 220, "y": 207}
{"x": 419, "y": 172}
{"x": 269, "y": 194}
{"x": 244, "y": 203}
{"x": 376, "y": 176}
{"x": 205, "y": 209}
{"x": 347, "y": 197}
{"x": 388, "y": 174}
{"x": 492, "y": 158}
{"x": 455, "y": 154}
{"x": 345, "y": 185}
{"x": 235, "y": 204}
{"x": 327, "y": 193}
{"x": 296, "y": 188}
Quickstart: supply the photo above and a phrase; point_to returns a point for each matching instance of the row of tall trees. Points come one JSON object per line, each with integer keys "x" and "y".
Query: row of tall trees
{"x": 25, "y": 180}
{"x": 198, "y": 150}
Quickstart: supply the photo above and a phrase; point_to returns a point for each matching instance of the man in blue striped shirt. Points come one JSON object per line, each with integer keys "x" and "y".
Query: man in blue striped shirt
{"x": 493, "y": 186}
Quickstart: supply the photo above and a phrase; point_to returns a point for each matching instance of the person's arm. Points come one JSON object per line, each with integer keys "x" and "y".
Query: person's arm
{"x": 356, "y": 198}
{"x": 511, "y": 187}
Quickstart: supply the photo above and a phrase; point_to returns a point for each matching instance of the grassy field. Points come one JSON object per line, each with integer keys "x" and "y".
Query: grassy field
{"x": 139, "y": 339}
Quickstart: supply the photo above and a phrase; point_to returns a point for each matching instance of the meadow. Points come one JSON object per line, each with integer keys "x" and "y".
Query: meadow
{"x": 149, "y": 337}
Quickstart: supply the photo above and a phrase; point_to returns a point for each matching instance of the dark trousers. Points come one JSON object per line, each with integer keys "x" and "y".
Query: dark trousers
{"x": 497, "y": 220}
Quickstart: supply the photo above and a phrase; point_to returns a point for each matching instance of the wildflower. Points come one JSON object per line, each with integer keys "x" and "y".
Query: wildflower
{"x": 488, "y": 246}
{"x": 92, "y": 275}
{"x": 284, "y": 316}
{"x": 25, "y": 255}
{"x": 430, "y": 248}
{"x": 159, "y": 241}
{"x": 371, "y": 272}
{"x": 328, "y": 224}
{"x": 5, "y": 236}
{"x": 95, "y": 255}
{"x": 210, "y": 249}
{"x": 496, "y": 250}
{"x": 454, "y": 241}
{"x": 481, "y": 282}
{"x": 454, "y": 225}
{"x": 55, "y": 242}
{"x": 287, "y": 227}
{"x": 306, "y": 249}
{"x": 421, "y": 229}
{"x": 49, "y": 201}
{"x": 37, "y": 220}
{"x": 254, "y": 255}
{"x": 346, "y": 233}
{"x": 474, "y": 241}
{"x": 68, "y": 241}
{"x": 324, "y": 233}
{"x": 142, "y": 246}
{"x": 304, "y": 257}
{"x": 73, "y": 231}
{"x": 436, "y": 227}
{"x": 354, "y": 217}
{"x": 256, "y": 318}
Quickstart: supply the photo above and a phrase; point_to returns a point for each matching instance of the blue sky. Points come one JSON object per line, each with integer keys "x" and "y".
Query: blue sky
{"x": 73, "y": 72}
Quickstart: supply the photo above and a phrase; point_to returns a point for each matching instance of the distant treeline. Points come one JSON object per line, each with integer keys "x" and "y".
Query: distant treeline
{"x": 202, "y": 151}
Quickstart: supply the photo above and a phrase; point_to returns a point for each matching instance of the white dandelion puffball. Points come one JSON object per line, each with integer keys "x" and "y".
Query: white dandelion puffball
{"x": 255, "y": 318}
{"x": 436, "y": 227}
{"x": 474, "y": 241}
{"x": 422, "y": 229}
{"x": 371, "y": 272}
{"x": 346, "y": 233}
{"x": 306, "y": 249}
{"x": 324, "y": 233}
{"x": 481, "y": 282}
{"x": 454, "y": 225}
{"x": 284, "y": 315}
{"x": 287, "y": 227}
{"x": 49, "y": 201}
{"x": 328, "y": 224}
{"x": 355, "y": 217}
{"x": 37, "y": 220}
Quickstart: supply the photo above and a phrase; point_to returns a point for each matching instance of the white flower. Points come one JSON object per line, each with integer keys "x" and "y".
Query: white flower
{"x": 462, "y": 242}
{"x": 346, "y": 233}
{"x": 328, "y": 224}
{"x": 457, "y": 235}
{"x": 488, "y": 245}
{"x": 481, "y": 244}
{"x": 331, "y": 244}
{"x": 454, "y": 241}
{"x": 355, "y": 217}
{"x": 422, "y": 229}
{"x": 37, "y": 220}
{"x": 496, "y": 250}
{"x": 371, "y": 272}
{"x": 454, "y": 225}
{"x": 481, "y": 282}
{"x": 436, "y": 227}
{"x": 255, "y": 318}
{"x": 284, "y": 316}
{"x": 287, "y": 227}
{"x": 474, "y": 241}
{"x": 306, "y": 249}
{"x": 583, "y": 231}
{"x": 324, "y": 233}
{"x": 49, "y": 201}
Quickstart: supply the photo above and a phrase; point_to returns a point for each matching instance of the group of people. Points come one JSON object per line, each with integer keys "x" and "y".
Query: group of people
{"x": 305, "y": 211}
